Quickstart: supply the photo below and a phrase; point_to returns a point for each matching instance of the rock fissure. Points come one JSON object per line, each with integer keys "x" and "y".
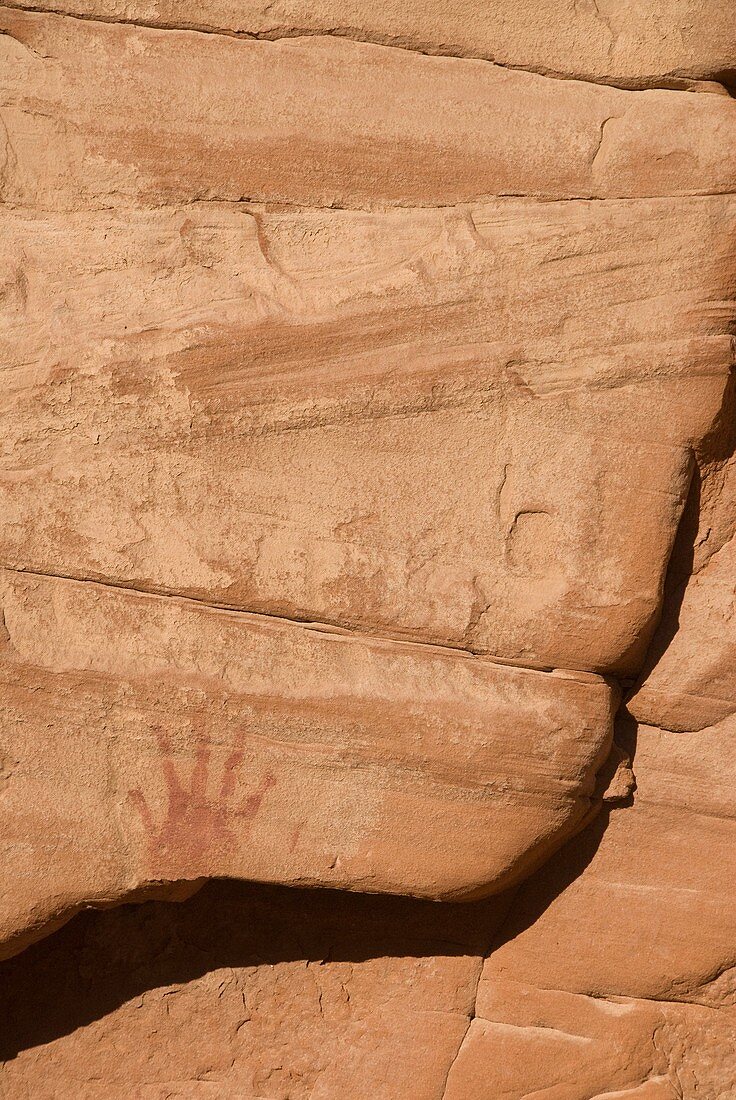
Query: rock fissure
{"x": 673, "y": 81}
{"x": 341, "y": 629}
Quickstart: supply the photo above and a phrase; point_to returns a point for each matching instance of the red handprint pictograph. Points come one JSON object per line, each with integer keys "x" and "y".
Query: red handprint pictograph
{"x": 199, "y": 823}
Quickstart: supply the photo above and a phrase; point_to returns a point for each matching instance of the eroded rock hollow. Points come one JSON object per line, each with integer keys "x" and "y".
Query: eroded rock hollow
{"x": 367, "y": 527}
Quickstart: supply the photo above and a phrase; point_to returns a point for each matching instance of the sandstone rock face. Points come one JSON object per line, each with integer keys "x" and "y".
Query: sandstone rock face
{"x": 192, "y": 742}
{"x": 690, "y": 679}
{"x": 643, "y": 1003}
{"x": 621, "y": 42}
{"x": 246, "y": 991}
{"x": 257, "y": 411}
{"x": 125, "y": 124}
{"x": 367, "y": 522}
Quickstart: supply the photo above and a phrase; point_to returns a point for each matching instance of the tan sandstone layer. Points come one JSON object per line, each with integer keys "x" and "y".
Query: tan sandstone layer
{"x": 175, "y": 116}
{"x": 258, "y": 411}
{"x": 192, "y": 743}
{"x": 626, "y": 43}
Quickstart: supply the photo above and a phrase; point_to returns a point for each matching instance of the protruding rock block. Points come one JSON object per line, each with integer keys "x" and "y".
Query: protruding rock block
{"x": 149, "y": 739}
{"x": 471, "y": 427}
{"x": 692, "y": 684}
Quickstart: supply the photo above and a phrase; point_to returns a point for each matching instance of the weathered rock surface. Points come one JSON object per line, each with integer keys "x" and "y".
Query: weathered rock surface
{"x": 259, "y": 410}
{"x": 660, "y": 873}
{"x": 101, "y": 113}
{"x": 245, "y": 991}
{"x": 622, "y": 42}
{"x": 690, "y": 680}
{"x": 366, "y": 433}
{"x": 191, "y": 742}
{"x": 642, "y": 1003}
{"x": 694, "y": 683}
{"x": 525, "y": 1041}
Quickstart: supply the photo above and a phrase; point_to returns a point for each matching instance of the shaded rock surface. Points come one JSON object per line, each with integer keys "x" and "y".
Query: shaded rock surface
{"x": 245, "y": 991}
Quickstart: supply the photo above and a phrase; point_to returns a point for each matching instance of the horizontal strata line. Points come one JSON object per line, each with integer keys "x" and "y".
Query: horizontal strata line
{"x": 656, "y": 82}
{"x": 563, "y": 792}
{"x": 334, "y": 629}
{"x": 526, "y": 197}
{"x": 643, "y": 799}
{"x": 624, "y": 998}
{"x": 276, "y": 206}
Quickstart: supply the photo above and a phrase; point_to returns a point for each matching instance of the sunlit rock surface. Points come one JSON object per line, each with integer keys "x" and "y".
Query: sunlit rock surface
{"x": 367, "y": 522}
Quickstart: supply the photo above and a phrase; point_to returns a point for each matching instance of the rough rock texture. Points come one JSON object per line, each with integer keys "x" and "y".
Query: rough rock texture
{"x": 626, "y": 43}
{"x": 643, "y": 1002}
{"x": 191, "y": 742}
{"x": 246, "y": 991}
{"x": 368, "y": 521}
{"x": 124, "y": 123}
{"x": 257, "y": 411}
{"x": 690, "y": 677}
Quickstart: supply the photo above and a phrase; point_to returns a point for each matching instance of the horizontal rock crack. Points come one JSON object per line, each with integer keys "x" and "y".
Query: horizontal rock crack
{"x": 334, "y": 628}
{"x": 666, "y": 82}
